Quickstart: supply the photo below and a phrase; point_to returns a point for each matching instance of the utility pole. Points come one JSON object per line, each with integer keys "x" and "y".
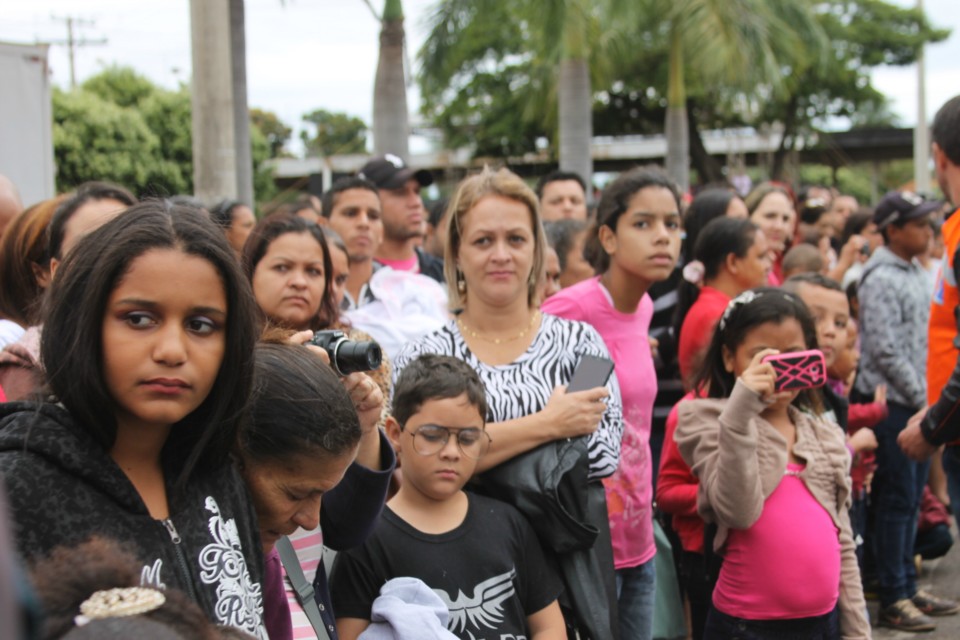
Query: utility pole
{"x": 72, "y": 43}
{"x": 211, "y": 88}
{"x": 921, "y": 137}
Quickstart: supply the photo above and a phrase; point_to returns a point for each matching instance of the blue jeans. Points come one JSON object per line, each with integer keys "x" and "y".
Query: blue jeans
{"x": 897, "y": 489}
{"x": 720, "y": 626}
{"x": 951, "y": 466}
{"x": 636, "y": 587}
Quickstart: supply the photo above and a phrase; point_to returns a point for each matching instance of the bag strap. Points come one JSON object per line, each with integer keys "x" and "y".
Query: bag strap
{"x": 302, "y": 588}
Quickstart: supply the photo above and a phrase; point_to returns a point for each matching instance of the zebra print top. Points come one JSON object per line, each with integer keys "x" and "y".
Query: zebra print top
{"x": 522, "y": 387}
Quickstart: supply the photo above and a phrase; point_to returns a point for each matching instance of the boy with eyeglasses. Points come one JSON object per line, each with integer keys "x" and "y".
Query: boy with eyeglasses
{"x": 477, "y": 554}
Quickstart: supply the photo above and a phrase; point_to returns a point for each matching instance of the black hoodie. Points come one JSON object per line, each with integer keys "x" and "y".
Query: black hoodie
{"x": 63, "y": 488}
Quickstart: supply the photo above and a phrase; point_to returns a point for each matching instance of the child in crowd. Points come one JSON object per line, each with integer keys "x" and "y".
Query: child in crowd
{"x": 830, "y": 309}
{"x": 895, "y": 296}
{"x": 638, "y": 234}
{"x": 479, "y": 555}
{"x": 731, "y": 256}
{"x": 774, "y": 476}
{"x": 147, "y": 345}
{"x": 93, "y": 590}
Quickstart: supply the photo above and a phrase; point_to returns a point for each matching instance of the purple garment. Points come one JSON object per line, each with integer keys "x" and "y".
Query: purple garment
{"x": 276, "y": 611}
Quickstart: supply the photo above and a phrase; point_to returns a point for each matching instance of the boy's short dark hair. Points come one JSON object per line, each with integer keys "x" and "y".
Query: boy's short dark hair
{"x": 434, "y": 377}
{"x": 559, "y": 176}
{"x": 329, "y": 199}
{"x": 793, "y": 283}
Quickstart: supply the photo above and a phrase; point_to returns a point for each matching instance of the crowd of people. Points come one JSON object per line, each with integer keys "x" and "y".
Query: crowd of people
{"x": 519, "y": 413}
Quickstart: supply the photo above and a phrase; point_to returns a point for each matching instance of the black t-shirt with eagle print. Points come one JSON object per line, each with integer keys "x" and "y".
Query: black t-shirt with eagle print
{"x": 490, "y": 570}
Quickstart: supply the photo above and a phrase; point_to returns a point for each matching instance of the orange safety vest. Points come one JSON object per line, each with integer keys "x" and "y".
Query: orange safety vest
{"x": 942, "y": 353}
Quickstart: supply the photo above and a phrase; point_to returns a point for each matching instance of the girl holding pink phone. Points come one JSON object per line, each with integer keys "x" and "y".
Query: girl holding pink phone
{"x": 774, "y": 477}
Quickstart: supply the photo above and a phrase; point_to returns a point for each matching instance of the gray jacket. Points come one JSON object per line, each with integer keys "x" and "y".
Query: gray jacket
{"x": 894, "y": 311}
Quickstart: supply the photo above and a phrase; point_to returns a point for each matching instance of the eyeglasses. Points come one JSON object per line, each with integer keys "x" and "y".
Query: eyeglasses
{"x": 429, "y": 439}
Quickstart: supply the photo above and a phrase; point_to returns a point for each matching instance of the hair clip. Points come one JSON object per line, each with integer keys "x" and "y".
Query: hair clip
{"x": 119, "y": 603}
{"x": 744, "y": 298}
{"x": 693, "y": 272}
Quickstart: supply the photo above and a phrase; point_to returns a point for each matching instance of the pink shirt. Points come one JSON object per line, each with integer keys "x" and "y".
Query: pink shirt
{"x": 410, "y": 264}
{"x": 629, "y": 489}
{"x": 787, "y": 565}
{"x": 309, "y": 548}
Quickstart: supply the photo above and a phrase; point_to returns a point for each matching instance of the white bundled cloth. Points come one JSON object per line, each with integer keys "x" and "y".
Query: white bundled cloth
{"x": 407, "y": 306}
{"x": 407, "y": 609}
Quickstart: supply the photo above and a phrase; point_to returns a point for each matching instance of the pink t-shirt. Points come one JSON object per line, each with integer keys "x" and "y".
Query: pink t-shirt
{"x": 787, "y": 565}
{"x": 410, "y": 264}
{"x": 309, "y": 548}
{"x": 629, "y": 489}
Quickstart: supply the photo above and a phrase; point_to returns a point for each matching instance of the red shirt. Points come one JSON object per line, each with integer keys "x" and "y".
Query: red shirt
{"x": 677, "y": 489}
{"x": 697, "y": 329}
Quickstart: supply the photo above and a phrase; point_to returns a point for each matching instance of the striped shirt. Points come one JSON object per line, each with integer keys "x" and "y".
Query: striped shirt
{"x": 522, "y": 387}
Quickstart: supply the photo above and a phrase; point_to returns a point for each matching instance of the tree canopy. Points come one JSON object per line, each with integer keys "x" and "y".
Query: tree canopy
{"x": 334, "y": 133}
{"x": 119, "y": 126}
{"x": 485, "y": 82}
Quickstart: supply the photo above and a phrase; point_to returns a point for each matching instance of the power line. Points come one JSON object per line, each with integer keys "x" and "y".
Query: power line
{"x": 72, "y": 42}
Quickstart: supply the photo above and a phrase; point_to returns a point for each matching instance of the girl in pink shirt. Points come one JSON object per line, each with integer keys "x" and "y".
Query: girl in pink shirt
{"x": 774, "y": 477}
{"x": 636, "y": 244}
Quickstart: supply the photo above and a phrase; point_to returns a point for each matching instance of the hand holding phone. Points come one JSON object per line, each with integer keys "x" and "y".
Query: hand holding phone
{"x": 578, "y": 409}
{"x": 591, "y": 372}
{"x": 798, "y": 369}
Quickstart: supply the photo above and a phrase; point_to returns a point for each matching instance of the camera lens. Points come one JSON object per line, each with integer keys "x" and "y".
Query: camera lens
{"x": 357, "y": 356}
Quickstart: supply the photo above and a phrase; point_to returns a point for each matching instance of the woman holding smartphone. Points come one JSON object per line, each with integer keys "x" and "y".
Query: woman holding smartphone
{"x": 494, "y": 259}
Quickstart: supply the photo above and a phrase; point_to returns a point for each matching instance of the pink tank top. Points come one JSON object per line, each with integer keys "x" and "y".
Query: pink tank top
{"x": 787, "y": 565}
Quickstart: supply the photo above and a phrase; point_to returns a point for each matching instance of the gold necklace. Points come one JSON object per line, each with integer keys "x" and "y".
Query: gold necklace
{"x": 473, "y": 334}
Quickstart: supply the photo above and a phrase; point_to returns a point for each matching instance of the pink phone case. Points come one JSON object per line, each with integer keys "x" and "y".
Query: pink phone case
{"x": 799, "y": 369}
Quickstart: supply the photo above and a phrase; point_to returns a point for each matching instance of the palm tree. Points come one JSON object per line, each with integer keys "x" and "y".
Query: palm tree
{"x": 391, "y": 119}
{"x": 563, "y": 40}
{"x": 745, "y": 44}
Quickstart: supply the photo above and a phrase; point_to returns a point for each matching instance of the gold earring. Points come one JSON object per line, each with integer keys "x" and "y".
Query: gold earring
{"x": 461, "y": 282}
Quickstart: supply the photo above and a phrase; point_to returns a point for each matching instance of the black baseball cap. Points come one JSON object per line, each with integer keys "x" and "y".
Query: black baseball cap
{"x": 391, "y": 172}
{"x": 900, "y": 206}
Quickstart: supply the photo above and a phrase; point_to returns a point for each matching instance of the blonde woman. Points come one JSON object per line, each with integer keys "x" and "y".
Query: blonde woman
{"x": 494, "y": 258}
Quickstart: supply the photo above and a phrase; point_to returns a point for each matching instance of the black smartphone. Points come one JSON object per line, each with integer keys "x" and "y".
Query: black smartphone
{"x": 591, "y": 372}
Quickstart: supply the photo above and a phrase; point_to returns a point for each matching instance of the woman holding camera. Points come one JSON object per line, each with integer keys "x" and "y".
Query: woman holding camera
{"x": 525, "y": 358}
{"x": 287, "y": 261}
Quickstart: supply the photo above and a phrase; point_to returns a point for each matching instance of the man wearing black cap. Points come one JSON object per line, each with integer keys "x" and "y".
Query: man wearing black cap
{"x": 894, "y": 309}
{"x": 403, "y": 215}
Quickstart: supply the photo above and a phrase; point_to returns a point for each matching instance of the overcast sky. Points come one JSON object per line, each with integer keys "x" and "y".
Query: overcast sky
{"x": 308, "y": 54}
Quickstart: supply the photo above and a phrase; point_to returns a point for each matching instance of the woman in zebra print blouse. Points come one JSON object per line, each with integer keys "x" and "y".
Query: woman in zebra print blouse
{"x": 494, "y": 259}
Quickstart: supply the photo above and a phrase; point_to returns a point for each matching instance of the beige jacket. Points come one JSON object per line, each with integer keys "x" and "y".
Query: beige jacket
{"x": 740, "y": 458}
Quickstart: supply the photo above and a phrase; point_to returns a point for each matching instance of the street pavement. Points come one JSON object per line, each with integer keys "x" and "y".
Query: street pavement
{"x": 941, "y": 577}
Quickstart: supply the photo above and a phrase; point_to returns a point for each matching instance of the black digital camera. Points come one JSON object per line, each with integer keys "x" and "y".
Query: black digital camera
{"x": 348, "y": 356}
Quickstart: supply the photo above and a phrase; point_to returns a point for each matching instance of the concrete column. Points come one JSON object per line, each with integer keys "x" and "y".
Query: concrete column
{"x": 214, "y": 139}
{"x": 241, "y": 112}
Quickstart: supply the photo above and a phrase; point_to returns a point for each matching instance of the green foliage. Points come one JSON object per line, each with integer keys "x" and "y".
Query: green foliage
{"x": 121, "y": 127}
{"x": 485, "y": 72}
{"x": 96, "y": 139}
{"x": 264, "y": 188}
{"x": 120, "y": 85}
{"x": 275, "y": 132}
{"x": 336, "y": 133}
{"x": 168, "y": 114}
